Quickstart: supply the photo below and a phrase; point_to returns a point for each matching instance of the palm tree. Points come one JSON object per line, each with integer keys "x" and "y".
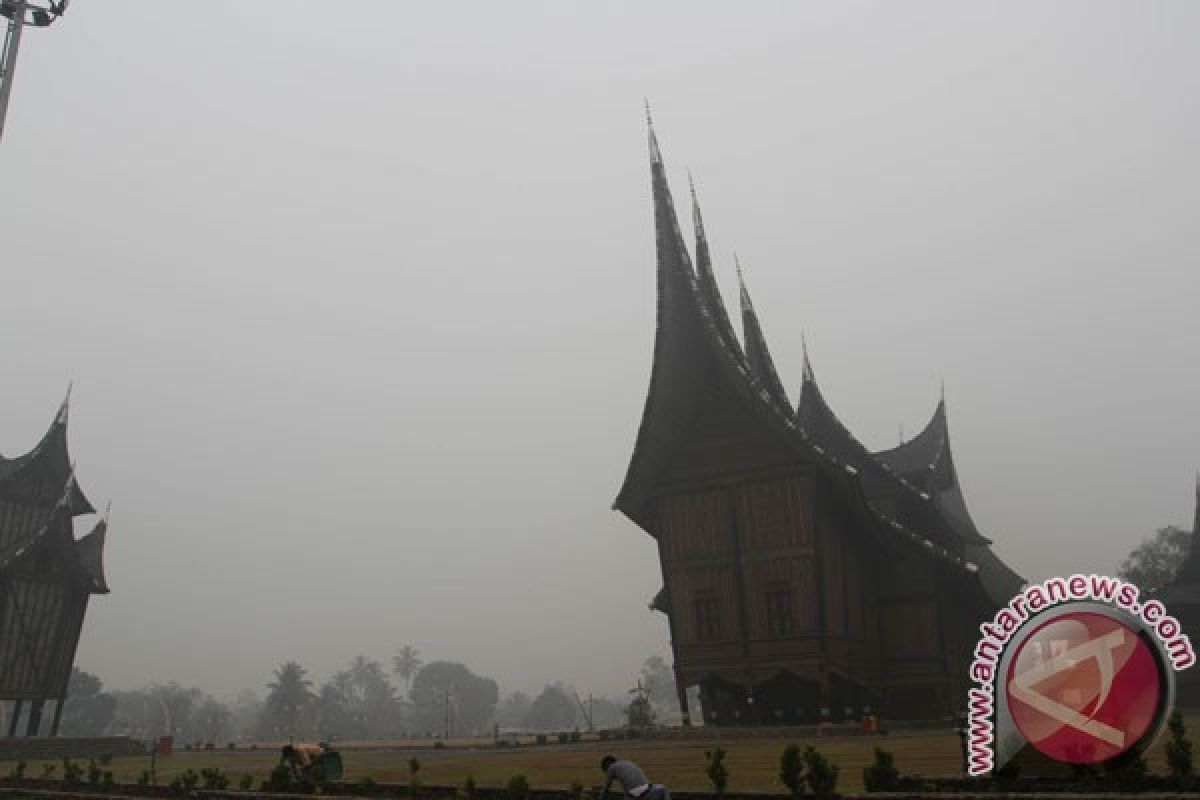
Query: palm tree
{"x": 290, "y": 695}
{"x": 406, "y": 663}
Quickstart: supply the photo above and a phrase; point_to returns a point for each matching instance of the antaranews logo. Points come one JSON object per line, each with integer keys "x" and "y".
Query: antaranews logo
{"x": 1079, "y": 668}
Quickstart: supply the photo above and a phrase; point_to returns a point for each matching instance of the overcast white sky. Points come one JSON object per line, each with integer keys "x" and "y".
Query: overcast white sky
{"x": 358, "y": 297}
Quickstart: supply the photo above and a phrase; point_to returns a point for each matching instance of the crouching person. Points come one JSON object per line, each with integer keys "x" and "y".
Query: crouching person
{"x": 633, "y": 781}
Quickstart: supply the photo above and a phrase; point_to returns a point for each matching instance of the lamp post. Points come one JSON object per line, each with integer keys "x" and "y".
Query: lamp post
{"x": 21, "y": 13}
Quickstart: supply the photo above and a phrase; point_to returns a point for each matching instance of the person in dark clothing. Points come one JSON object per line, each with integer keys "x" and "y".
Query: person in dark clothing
{"x": 633, "y": 781}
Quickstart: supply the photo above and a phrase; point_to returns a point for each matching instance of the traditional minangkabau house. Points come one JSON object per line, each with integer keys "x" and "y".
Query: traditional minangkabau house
{"x": 46, "y": 579}
{"x": 1182, "y": 600}
{"x": 805, "y": 577}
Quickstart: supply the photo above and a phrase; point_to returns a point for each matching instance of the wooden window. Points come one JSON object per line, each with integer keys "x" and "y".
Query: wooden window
{"x": 708, "y": 616}
{"x": 779, "y": 613}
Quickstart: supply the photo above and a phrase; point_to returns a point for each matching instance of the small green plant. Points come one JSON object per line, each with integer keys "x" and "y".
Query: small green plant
{"x": 791, "y": 769}
{"x": 72, "y": 772}
{"x": 577, "y": 791}
{"x": 213, "y": 779}
{"x": 185, "y": 782}
{"x": 518, "y": 788}
{"x": 1129, "y": 775}
{"x": 715, "y": 769}
{"x": 18, "y": 770}
{"x": 822, "y": 776}
{"x": 414, "y": 784}
{"x": 94, "y": 774}
{"x": 143, "y": 778}
{"x": 1179, "y": 748}
{"x": 48, "y": 771}
{"x": 366, "y": 786}
{"x": 881, "y": 776}
{"x": 246, "y": 782}
{"x": 468, "y": 788}
{"x": 280, "y": 779}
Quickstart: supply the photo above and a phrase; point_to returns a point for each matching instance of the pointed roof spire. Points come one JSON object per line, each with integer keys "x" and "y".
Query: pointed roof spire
{"x": 65, "y": 409}
{"x": 806, "y": 370}
{"x": 655, "y": 152}
{"x": 758, "y": 355}
{"x": 710, "y": 293}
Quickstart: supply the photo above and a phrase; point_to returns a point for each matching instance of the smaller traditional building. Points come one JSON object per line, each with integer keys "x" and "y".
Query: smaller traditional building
{"x": 47, "y": 577}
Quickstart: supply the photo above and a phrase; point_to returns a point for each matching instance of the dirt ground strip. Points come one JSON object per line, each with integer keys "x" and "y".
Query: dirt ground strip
{"x": 753, "y": 764}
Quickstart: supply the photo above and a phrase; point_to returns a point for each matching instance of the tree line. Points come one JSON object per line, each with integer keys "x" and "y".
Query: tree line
{"x": 365, "y": 700}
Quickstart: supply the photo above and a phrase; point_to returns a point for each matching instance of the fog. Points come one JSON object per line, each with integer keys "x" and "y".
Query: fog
{"x": 358, "y": 297}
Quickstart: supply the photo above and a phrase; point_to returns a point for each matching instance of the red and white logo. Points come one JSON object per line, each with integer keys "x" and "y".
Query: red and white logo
{"x": 1084, "y": 687}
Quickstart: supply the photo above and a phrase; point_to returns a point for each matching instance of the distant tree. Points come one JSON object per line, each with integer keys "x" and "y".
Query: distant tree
{"x": 406, "y": 663}
{"x": 1154, "y": 563}
{"x": 553, "y": 710}
{"x": 370, "y": 698}
{"x": 289, "y": 701}
{"x": 246, "y": 710}
{"x": 659, "y": 681}
{"x": 171, "y": 709}
{"x": 512, "y": 710}
{"x": 211, "y": 721}
{"x": 331, "y": 711}
{"x": 89, "y": 710}
{"x": 472, "y": 698}
{"x": 608, "y": 713}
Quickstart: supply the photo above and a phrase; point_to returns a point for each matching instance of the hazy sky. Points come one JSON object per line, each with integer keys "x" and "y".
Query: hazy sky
{"x": 358, "y": 297}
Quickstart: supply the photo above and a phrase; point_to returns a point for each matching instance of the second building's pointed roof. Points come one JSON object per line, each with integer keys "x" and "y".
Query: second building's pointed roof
{"x": 758, "y": 355}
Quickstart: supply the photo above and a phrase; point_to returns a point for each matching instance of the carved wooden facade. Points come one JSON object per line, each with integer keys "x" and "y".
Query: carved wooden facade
{"x": 805, "y": 578}
{"x": 46, "y": 579}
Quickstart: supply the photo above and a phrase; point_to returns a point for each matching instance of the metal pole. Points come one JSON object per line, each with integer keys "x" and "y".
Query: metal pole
{"x": 16, "y": 716}
{"x": 58, "y": 709}
{"x": 8, "y": 66}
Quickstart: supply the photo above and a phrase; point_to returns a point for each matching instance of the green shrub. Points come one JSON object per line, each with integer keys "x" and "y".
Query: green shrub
{"x": 143, "y": 778}
{"x": 18, "y": 770}
{"x": 1129, "y": 775}
{"x": 185, "y": 782}
{"x": 246, "y": 782}
{"x": 94, "y": 774}
{"x": 467, "y": 792}
{"x": 213, "y": 779}
{"x": 881, "y": 776}
{"x": 280, "y": 779}
{"x": 518, "y": 788}
{"x": 822, "y": 776}
{"x": 791, "y": 769}
{"x": 577, "y": 792}
{"x": 718, "y": 774}
{"x": 414, "y": 785}
{"x": 1179, "y": 748}
{"x": 72, "y": 772}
